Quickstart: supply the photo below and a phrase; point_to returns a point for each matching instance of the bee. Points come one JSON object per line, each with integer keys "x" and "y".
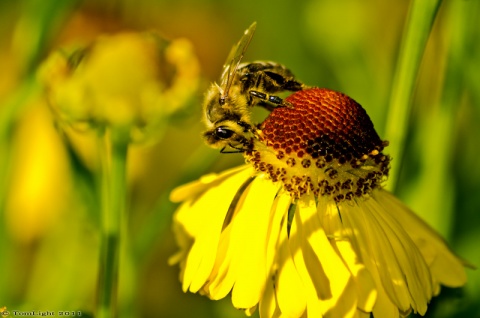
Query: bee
{"x": 227, "y": 106}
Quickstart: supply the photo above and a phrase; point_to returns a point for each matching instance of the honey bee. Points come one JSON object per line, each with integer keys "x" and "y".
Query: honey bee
{"x": 227, "y": 106}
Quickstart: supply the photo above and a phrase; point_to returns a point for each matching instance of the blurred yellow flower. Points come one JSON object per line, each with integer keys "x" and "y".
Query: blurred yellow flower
{"x": 129, "y": 82}
{"x": 305, "y": 229}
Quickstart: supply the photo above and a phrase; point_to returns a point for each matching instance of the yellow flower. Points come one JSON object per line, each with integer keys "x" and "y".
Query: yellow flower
{"x": 129, "y": 82}
{"x": 305, "y": 229}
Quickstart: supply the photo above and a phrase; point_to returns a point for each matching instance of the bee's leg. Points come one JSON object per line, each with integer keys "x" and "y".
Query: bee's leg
{"x": 246, "y": 126}
{"x": 233, "y": 150}
{"x": 270, "y": 102}
{"x": 243, "y": 146}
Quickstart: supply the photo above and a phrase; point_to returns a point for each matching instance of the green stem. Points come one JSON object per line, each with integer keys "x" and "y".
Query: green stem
{"x": 419, "y": 24}
{"x": 114, "y": 159}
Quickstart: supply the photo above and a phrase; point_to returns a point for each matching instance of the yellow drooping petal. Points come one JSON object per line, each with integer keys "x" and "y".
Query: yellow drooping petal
{"x": 340, "y": 236}
{"x": 415, "y": 275}
{"x": 329, "y": 285}
{"x": 222, "y": 277}
{"x": 360, "y": 241}
{"x": 289, "y": 289}
{"x": 241, "y": 260}
{"x": 278, "y": 215}
{"x": 366, "y": 290}
{"x": 445, "y": 266}
{"x": 248, "y": 240}
{"x": 268, "y": 304}
{"x": 380, "y": 249}
{"x": 192, "y": 189}
{"x": 202, "y": 219}
{"x": 400, "y": 266}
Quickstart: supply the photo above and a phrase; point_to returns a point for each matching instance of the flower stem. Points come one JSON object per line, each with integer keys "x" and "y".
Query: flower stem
{"x": 113, "y": 162}
{"x": 419, "y": 24}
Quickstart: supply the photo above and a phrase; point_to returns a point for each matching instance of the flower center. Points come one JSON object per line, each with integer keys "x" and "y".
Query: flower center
{"x": 325, "y": 143}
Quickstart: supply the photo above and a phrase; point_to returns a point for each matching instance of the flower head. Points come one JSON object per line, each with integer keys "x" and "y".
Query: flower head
{"x": 326, "y": 144}
{"x": 306, "y": 230}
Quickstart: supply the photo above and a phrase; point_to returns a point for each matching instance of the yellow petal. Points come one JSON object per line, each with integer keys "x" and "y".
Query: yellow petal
{"x": 223, "y": 274}
{"x": 445, "y": 266}
{"x": 415, "y": 276}
{"x": 364, "y": 283}
{"x": 241, "y": 261}
{"x": 340, "y": 237}
{"x": 329, "y": 286}
{"x": 290, "y": 291}
{"x": 278, "y": 216}
{"x": 203, "y": 220}
{"x": 358, "y": 236}
{"x": 400, "y": 266}
{"x": 250, "y": 311}
{"x": 378, "y": 247}
{"x": 268, "y": 304}
{"x": 250, "y": 235}
{"x": 192, "y": 189}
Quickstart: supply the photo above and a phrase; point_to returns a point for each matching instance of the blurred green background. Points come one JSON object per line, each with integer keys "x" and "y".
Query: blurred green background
{"x": 49, "y": 240}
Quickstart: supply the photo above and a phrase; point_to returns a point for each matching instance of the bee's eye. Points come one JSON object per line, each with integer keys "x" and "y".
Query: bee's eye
{"x": 223, "y": 132}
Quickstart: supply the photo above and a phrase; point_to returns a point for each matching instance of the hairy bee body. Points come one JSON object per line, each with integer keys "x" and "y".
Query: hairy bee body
{"x": 243, "y": 85}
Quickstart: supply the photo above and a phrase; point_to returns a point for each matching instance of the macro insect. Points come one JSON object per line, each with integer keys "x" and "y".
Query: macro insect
{"x": 227, "y": 106}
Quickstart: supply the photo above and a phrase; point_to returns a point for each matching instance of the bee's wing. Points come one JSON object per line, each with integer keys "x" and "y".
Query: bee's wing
{"x": 234, "y": 59}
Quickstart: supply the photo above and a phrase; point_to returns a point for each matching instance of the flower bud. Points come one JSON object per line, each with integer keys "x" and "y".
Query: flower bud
{"x": 128, "y": 82}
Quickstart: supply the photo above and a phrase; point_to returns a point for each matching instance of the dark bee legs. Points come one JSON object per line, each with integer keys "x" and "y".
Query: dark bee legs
{"x": 236, "y": 149}
{"x": 270, "y": 102}
{"x": 261, "y": 80}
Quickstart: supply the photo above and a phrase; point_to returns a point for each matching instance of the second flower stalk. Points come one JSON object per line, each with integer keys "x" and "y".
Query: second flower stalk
{"x": 113, "y": 157}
